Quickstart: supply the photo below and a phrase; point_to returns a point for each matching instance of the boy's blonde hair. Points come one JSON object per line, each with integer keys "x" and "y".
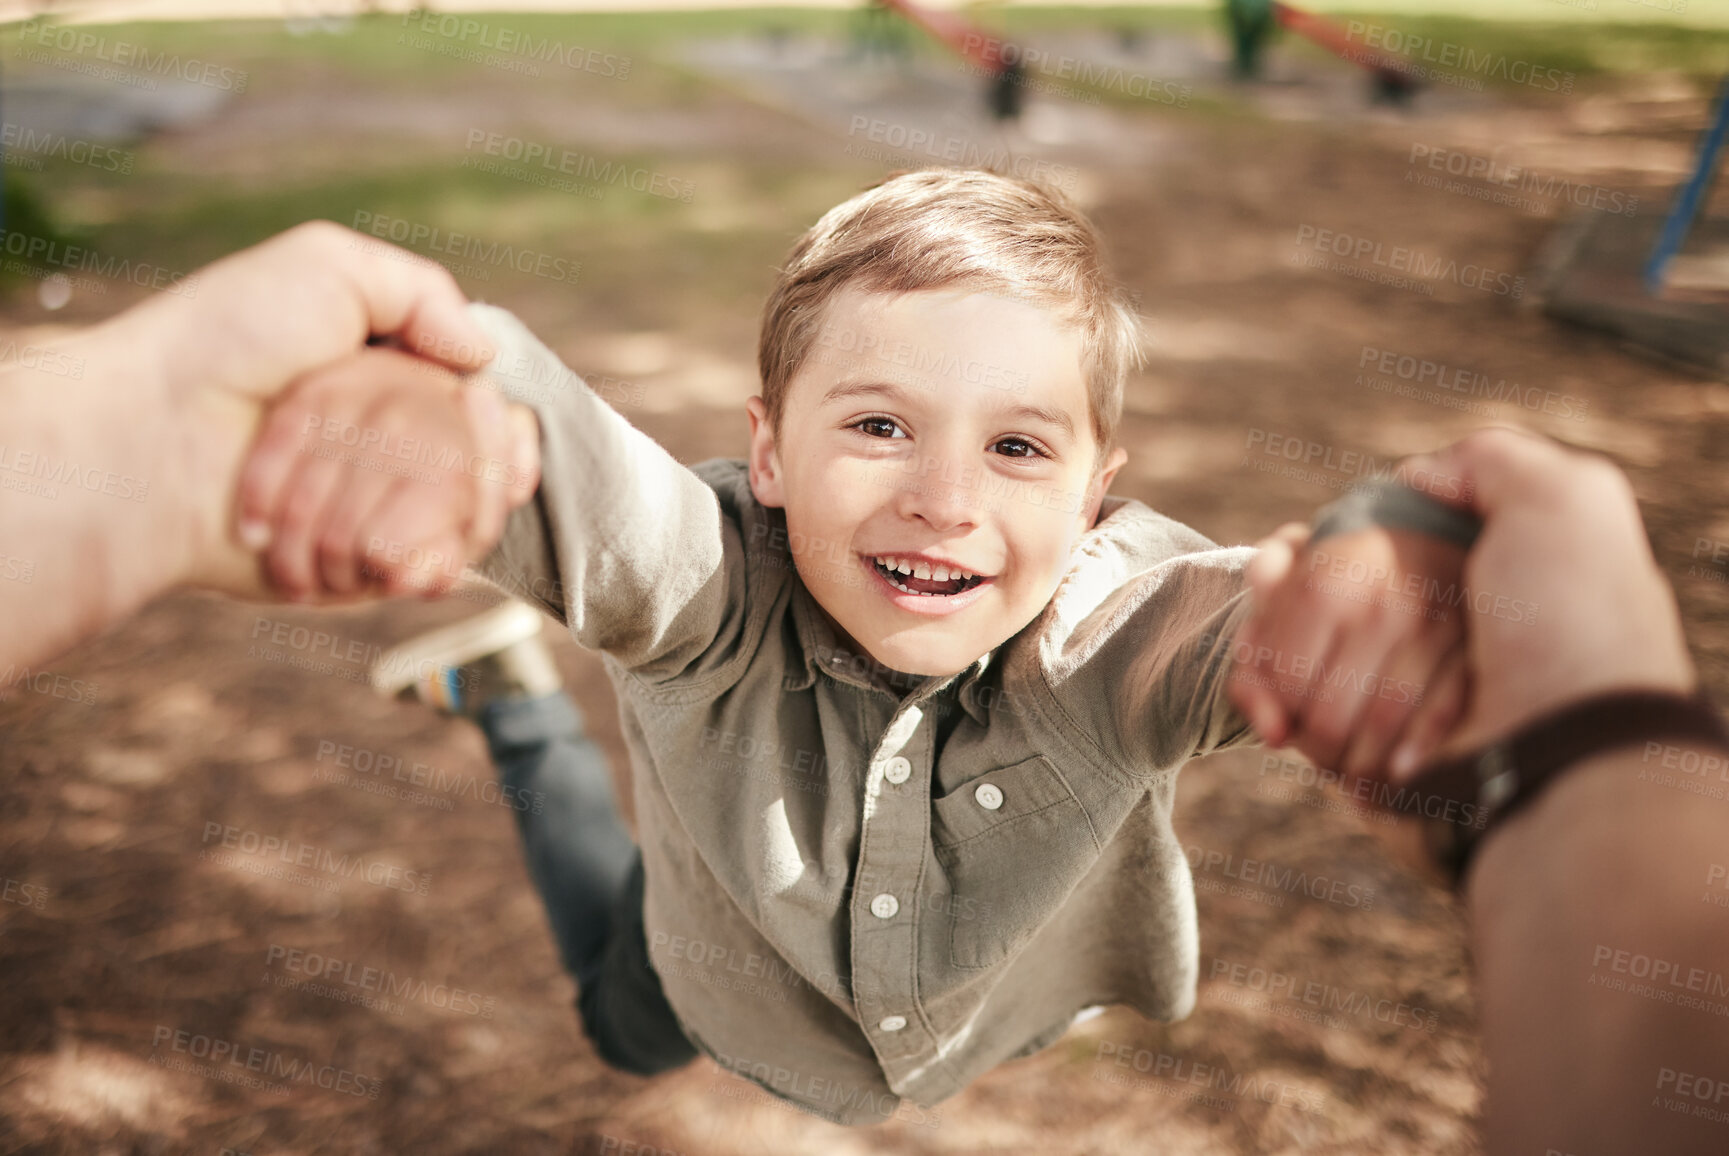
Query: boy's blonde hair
{"x": 948, "y": 228}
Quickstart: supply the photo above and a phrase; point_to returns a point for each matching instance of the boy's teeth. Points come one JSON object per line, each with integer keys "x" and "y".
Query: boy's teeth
{"x": 937, "y": 573}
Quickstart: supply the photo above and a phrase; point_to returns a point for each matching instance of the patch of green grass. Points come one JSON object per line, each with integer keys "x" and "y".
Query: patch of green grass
{"x": 546, "y": 45}
{"x": 26, "y": 214}
{"x": 1586, "y": 48}
{"x": 198, "y": 222}
{"x": 627, "y": 258}
{"x": 1643, "y": 13}
{"x": 1620, "y": 37}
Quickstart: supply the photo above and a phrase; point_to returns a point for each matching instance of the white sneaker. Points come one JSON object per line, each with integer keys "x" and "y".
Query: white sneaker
{"x": 458, "y": 669}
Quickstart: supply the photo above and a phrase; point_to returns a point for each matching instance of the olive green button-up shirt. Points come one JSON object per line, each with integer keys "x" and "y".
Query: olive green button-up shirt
{"x": 864, "y": 888}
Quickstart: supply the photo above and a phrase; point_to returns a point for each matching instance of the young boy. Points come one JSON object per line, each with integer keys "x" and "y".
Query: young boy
{"x": 905, "y": 694}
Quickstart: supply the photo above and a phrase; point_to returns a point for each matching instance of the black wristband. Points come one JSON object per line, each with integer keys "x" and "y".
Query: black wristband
{"x": 1500, "y": 779}
{"x": 1397, "y": 507}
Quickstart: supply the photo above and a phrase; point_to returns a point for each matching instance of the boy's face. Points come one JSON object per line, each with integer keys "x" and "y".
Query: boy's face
{"x": 946, "y": 433}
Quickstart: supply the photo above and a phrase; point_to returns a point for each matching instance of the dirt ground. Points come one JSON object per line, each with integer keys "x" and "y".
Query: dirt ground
{"x": 126, "y": 924}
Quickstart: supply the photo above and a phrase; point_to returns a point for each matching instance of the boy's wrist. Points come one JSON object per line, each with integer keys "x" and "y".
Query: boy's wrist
{"x": 525, "y": 444}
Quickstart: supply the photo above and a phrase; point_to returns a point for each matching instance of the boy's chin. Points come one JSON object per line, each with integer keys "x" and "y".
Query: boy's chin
{"x": 926, "y": 661}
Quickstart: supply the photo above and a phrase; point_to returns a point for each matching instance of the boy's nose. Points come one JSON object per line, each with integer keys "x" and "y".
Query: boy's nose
{"x": 943, "y": 498}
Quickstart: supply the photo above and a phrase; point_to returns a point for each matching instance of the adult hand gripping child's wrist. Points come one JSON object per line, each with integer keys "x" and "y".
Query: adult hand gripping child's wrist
{"x": 382, "y": 473}
{"x": 170, "y": 398}
{"x": 1566, "y": 601}
{"x": 1349, "y": 656}
{"x": 260, "y": 320}
{"x": 1560, "y": 597}
{"x": 1562, "y": 600}
{"x": 1568, "y": 604}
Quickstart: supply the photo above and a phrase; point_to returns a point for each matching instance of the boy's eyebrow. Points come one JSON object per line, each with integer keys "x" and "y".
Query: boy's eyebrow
{"x": 1046, "y": 414}
{"x": 848, "y": 389}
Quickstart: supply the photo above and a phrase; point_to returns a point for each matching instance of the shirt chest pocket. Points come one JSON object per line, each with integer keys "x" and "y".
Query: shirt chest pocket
{"x": 1012, "y": 843}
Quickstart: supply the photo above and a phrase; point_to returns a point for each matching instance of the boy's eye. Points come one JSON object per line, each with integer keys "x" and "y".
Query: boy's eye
{"x": 878, "y": 427}
{"x": 1018, "y": 448}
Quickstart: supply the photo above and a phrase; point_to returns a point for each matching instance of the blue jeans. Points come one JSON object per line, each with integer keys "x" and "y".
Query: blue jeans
{"x": 589, "y": 875}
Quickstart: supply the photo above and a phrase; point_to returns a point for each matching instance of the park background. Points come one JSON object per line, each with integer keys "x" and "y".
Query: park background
{"x": 737, "y": 127}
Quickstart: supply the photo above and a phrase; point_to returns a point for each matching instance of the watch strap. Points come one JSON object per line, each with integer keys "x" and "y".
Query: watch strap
{"x": 1500, "y": 779}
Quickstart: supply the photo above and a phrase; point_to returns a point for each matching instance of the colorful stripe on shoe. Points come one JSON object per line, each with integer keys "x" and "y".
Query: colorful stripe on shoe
{"x": 442, "y": 688}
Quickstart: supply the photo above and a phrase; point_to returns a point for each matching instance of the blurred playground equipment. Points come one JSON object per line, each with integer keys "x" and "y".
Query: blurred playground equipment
{"x": 1691, "y": 196}
{"x": 1251, "y": 25}
{"x": 1661, "y": 284}
{"x": 1390, "y": 76}
{"x": 990, "y": 55}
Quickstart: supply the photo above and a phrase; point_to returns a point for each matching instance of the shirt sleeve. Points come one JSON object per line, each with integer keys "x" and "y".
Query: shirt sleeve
{"x": 1144, "y": 674}
{"x": 623, "y": 544}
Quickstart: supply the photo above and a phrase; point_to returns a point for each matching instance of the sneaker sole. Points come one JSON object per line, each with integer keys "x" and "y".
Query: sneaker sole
{"x": 397, "y": 669}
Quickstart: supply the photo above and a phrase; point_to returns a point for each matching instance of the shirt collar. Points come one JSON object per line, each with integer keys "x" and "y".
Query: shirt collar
{"x": 967, "y": 689}
{"x": 822, "y": 650}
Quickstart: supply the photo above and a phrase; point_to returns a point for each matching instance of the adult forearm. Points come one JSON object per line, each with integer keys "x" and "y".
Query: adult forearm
{"x": 114, "y": 485}
{"x": 1601, "y": 973}
{"x": 89, "y": 507}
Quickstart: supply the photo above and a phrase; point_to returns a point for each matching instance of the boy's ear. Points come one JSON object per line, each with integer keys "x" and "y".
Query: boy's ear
{"x": 1113, "y": 463}
{"x": 765, "y": 480}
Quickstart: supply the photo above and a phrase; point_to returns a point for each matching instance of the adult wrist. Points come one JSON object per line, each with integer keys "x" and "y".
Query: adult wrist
{"x": 190, "y": 436}
{"x": 89, "y": 423}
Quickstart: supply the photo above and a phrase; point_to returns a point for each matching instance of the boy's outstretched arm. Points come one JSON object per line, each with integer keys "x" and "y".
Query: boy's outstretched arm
{"x": 623, "y": 543}
{"x": 1163, "y": 668}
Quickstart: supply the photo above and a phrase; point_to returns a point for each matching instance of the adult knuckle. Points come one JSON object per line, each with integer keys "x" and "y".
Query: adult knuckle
{"x": 335, "y": 544}
{"x": 297, "y": 511}
{"x": 1379, "y": 722}
{"x": 322, "y": 237}
{"x": 1327, "y": 727}
{"x": 1496, "y": 442}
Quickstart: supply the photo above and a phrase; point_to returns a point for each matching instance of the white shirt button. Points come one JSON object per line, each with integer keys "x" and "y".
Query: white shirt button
{"x": 989, "y": 795}
{"x": 897, "y": 770}
{"x": 884, "y": 906}
{"x": 893, "y": 1023}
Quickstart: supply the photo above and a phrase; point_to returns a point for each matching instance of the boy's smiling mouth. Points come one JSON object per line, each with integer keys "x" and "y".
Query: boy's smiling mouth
{"x": 925, "y": 577}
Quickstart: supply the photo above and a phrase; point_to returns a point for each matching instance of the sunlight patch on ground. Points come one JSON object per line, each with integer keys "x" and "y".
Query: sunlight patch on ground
{"x": 93, "y": 1089}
